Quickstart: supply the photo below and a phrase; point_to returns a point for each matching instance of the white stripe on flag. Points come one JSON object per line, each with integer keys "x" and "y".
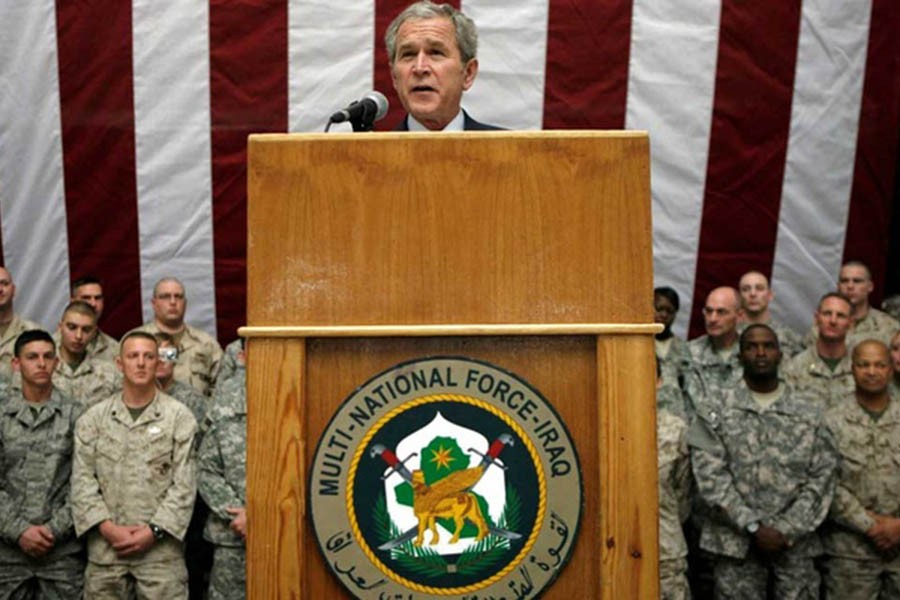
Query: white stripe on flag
{"x": 671, "y": 88}
{"x": 815, "y": 200}
{"x": 172, "y": 147}
{"x": 512, "y": 56}
{"x": 32, "y": 197}
{"x": 330, "y": 60}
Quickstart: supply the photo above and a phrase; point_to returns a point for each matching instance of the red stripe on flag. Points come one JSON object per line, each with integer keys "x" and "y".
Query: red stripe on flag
{"x": 586, "y": 80}
{"x": 249, "y": 94}
{"x": 385, "y": 12}
{"x": 97, "y": 114}
{"x": 868, "y": 224}
{"x": 748, "y": 144}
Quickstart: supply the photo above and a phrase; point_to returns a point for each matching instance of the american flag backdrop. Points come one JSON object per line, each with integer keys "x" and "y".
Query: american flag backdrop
{"x": 123, "y": 125}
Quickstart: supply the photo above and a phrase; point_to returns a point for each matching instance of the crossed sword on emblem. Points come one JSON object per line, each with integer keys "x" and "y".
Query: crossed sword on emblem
{"x": 397, "y": 466}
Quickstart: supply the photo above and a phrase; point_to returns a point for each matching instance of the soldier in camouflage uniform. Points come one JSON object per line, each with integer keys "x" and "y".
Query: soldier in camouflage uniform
{"x": 756, "y": 296}
{"x": 671, "y": 351}
{"x": 101, "y": 346}
{"x": 222, "y": 482}
{"x": 84, "y": 379}
{"x": 11, "y": 324}
{"x": 894, "y": 385}
{"x": 674, "y": 504}
{"x": 199, "y": 353}
{"x": 823, "y": 371}
{"x": 133, "y": 483}
{"x": 862, "y": 537}
{"x": 716, "y": 366}
{"x": 766, "y": 464}
{"x": 232, "y": 361}
{"x": 39, "y": 555}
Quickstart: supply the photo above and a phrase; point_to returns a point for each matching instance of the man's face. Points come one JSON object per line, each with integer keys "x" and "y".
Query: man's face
{"x": 169, "y": 303}
{"x": 663, "y": 310}
{"x": 76, "y": 331}
{"x": 137, "y": 361}
{"x": 168, "y": 355}
{"x": 755, "y": 292}
{"x": 720, "y": 313}
{"x": 7, "y": 289}
{"x": 855, "y": 283}
{"x": 36, "y": 363}
{"x": 92, "y": 293}
{"x": 871, "y": 368}
{"x": 759, "y": 352}
{"x": 428, "y": 72}
{"x": 833, "y": 319}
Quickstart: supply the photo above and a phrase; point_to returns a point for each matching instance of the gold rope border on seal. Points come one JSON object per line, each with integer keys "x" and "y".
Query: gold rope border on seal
{"x": 542, "y": 494}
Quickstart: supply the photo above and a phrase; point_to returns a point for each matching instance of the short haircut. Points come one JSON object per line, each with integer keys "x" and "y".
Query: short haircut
{"x": 858, "y": 263}
{"x": 143, "y": 335}
{"x": 758, "y": 326}
{"x": 166, "y": 280}
{"x": 466, "y": 32}
{"x": 837, "y": 295}
{"x": 163, "y": 338}
{"x": 871, "y": 342}
{"x": 32, "y": 335}
{"x": 86, "y": 280}
{"x": 82, "y": 308}
{"x": 669, "y": 294}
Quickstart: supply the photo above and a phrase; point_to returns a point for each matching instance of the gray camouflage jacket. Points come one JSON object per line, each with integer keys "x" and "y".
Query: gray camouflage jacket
{"x": 776, "y": 467}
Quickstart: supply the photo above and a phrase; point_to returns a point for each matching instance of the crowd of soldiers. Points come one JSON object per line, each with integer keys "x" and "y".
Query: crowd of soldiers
{"x": 779, "y": 453}
{"x": 122, "y": 464}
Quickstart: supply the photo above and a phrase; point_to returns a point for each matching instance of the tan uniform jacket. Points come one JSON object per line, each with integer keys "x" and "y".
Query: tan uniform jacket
{"x": 8, "y": 342}
{"x": 89, "y": 383}
{"x": 811, "y": 377}
{"x": 133, "y": 473}
{"x": 869, "y": 476}
{"x": 198, "y": 358}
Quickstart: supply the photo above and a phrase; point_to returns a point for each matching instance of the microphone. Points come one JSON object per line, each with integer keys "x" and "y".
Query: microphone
{"x": 371, "y": 108}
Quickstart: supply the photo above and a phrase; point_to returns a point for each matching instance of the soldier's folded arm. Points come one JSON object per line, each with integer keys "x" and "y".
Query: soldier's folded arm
{"x": 811, "y": 504}
{"x": 714, "y": 480}
{"x": 174, "y": 511}
{"x": 88, "y": 507}
{"x": 211, "y": 481}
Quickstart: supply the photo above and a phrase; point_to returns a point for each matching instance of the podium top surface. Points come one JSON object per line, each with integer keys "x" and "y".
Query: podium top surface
{"x": 457, "y": 228}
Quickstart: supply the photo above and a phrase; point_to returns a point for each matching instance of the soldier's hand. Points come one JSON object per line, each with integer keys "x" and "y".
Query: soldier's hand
{"x": 885, "y": 533}
{"x": 37, "y": 540}
{"x": 114, "y": 534}
{"x": 139, "y": 540}
{"x": 239, "y": 522}
{"x": 770, "y": 540}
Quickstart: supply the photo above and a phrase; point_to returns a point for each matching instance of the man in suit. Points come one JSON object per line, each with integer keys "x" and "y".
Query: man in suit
{"x": 431, "y": 49}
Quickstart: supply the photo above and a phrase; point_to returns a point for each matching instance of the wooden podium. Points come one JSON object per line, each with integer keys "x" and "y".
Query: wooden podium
{"x": 530, "y": 250}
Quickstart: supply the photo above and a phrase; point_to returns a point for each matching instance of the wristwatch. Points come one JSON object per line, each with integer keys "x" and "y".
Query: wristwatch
{"x": 752, "y": 528}
{"x": 157, "y": 532}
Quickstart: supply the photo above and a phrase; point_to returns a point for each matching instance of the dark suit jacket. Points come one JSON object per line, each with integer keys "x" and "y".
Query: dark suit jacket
{"x": 469, "y": 124}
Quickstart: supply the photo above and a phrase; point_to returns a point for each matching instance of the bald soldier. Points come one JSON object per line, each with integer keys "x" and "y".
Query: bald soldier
{"x": 715, "y": 362}
{"x": 198, "y": 353}
{"x": 756, "y": 296}
{"x": 862, "y": 537}
{"x": 823, "y": 370}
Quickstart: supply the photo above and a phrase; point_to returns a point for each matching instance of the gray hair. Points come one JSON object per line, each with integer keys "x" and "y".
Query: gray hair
{"x": 466, "y": 33}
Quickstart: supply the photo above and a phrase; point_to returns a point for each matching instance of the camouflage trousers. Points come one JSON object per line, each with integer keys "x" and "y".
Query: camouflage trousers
{"x": 228, "y": 580}
{"x": 793, "y": 577}
{"x": 673, "y": 583}
{"x": 164, "y": 580}
{"x": 60, "y": 579}
{"x": 849, "y": 579}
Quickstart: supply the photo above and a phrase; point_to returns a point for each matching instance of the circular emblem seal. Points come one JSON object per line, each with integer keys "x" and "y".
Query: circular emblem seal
{"x": 445, "y": 477}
